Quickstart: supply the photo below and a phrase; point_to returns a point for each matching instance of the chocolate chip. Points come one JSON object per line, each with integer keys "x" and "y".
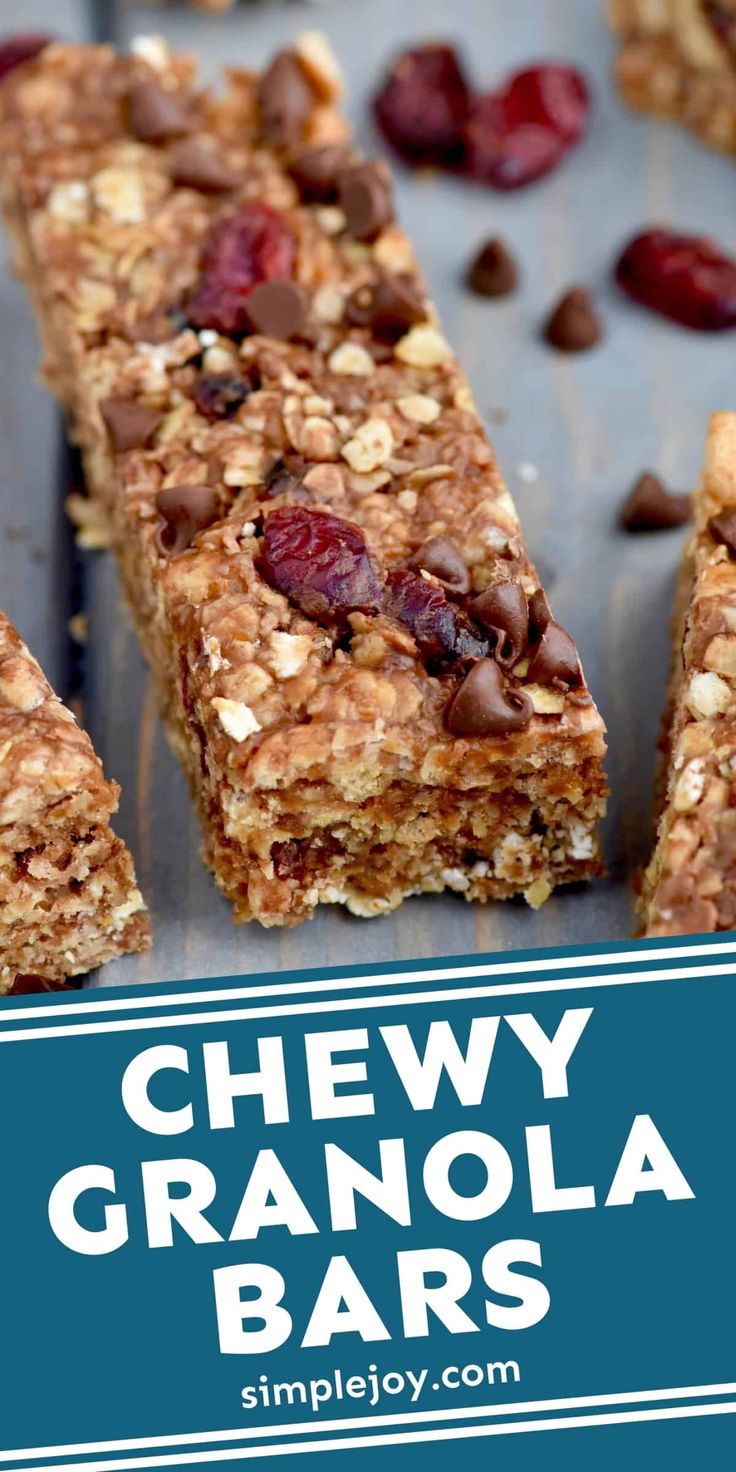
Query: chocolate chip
{"x": 129, "y": 424}
{"x": 389, "y": 305}
{"x": 276, "y": 308}
{"x": 540, "y": 614}
{"x": 282, "y": 479}
{"x": 315, "y": 171}
{"x": 364, "y": 197}
{"x": 218, "y": 395}
{"x": 574, "y": 325}
{"x": 155, "y": 114}
{"x": 440, "y": 557}
{"x": 723, "y": 529}
{"x": 194, "y": 163}
{"x": 484, "y": 706}
{"x": 493, "y": 272}
{"x": 285, "y": 100}
{"x": 502, "y": 610}
{"x": 555, "y": 660}
{"x": 185, "y": 510}
{"x": 650, "y": 507}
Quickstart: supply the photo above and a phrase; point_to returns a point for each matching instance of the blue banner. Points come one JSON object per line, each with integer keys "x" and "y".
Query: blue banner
{"x": 487, "y": 1202}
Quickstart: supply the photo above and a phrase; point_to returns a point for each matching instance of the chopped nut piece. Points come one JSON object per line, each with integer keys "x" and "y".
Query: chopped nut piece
{"x": 421, "y": 408}
{"x": 351, "y": 359}
{"x": 709, "y": 696}
{"x": 370, "y": 446}
{"x": 288, "y": 653}
{"x": 69, "y": 202}
{"x": 236, "y": 718}
{"x": 120, "y": 194}
{"x": 320, "y": 63}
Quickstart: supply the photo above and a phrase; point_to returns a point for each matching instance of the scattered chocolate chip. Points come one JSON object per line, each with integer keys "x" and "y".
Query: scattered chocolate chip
{"x": 218, "y": 395}
{"x": 650, "y": 507}
{"x": 389, "y": 305}
{"x": 195, "y": 163}
{"x": 723, "y": 529}
{"x": 276, "y": 309}
{"x": 484, "y": 706}
{"x": 440, "y": 557}
{"x": 502, "y": 610}
{"x": 364, "y": 197}
{"x": 555, "y": 660}
{"x": 285, "y": 100}
{"x": 129, "y": 424}
{"x": 281, "y": 480}
{"x": 493, "y": 272}
{"x": 574, "y": 325}
{"x": 154, "y": 114}
{"x": 540, "y": 614}
{"x": 315, "y": 171}
{"x": 185, "y": 510}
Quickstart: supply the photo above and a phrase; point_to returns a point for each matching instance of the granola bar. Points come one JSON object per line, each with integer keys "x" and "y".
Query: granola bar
{"x": 690, "y": 885}
{"x": 68, "y": 896}
{"x": 355, "y": 661}
{"x": 678, "y": 60}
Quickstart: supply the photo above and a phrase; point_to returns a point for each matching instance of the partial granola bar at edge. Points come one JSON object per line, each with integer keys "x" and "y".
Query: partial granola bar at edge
{"x": 68, "y": 896}
{"x": 690, "y": 884}
{"x": 678, "y": 61}
{"x": 310, "y": 710}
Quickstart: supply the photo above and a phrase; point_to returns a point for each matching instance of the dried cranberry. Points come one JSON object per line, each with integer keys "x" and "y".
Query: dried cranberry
{"x": 217, "y": 395}
{"x": 253, "y": 245}
{"x": 689, "y": 279}
{"x": 521, "y": 132}
{"x": 26, "y": 986}
{"x": 423, "y": 105}
{"x": 320, "y": 563}
{"x": 441, "y": 631}
{"x": 20, "y": 48}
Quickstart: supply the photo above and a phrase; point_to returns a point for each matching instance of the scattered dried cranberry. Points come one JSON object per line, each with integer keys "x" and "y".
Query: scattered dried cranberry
{"x": 521, "y": 132}
{"x": 423, "y": 105}
{"x": 18, "y": 49}
{"x": 320, "y": 563}
{"x": 684, "y": 277}
{"x": 442, "y": 632}
{"x": 251, "y": 246}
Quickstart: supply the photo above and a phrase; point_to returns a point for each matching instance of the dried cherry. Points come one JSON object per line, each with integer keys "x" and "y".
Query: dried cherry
{"x": 17, "y": 49}
{"x": 521, "y": 132}
{"x": 442, "y": 632}
{"x": 684, "y": 277}
{"x": 253, "y": 245}
{"x": 423, "y": 105}
{"x": 321, "y": 563}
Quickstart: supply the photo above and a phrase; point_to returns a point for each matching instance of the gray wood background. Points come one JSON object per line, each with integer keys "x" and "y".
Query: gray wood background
{"x": 586, "y": 425}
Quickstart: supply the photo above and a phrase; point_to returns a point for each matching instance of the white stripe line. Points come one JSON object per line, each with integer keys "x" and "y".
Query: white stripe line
{"x": 278, "y": 988}
{"x": 350, "y": 1004}
{"x": 298, "y": 1428}
{"x": 454, "y": 1433}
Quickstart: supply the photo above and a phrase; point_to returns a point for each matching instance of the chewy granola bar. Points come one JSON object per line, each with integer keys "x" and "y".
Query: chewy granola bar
{"x": 690, "y": 885}
{"x": 68, "y": 896}
{"x": 678, "y": 60}
{"x": 355, "y": 661}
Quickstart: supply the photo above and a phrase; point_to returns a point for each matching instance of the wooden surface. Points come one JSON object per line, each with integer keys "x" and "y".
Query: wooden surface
{"x": 586, "y": 426}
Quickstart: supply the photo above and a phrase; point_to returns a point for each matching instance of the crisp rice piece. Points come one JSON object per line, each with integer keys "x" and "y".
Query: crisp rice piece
{"x": 690, "y": 884}
{"x": 678, "y": 61}
{"x": 313, "y": 703}
{"x": 68, "y": 895}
